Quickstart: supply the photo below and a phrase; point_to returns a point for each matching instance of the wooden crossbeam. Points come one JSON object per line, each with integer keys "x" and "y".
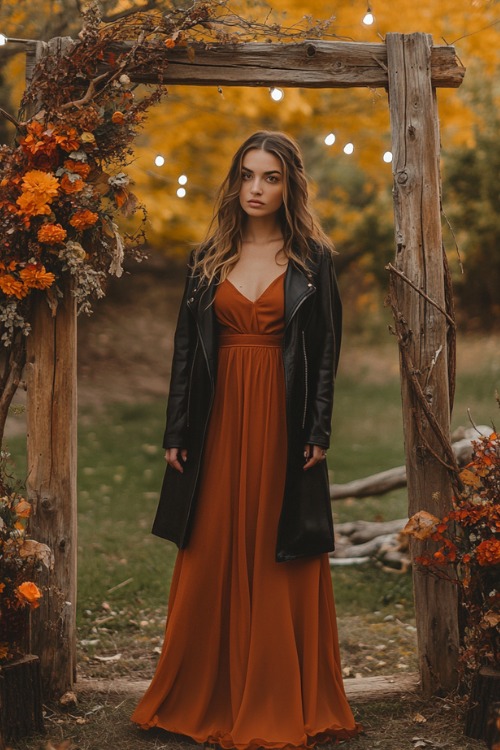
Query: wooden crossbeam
{"x": 309, "y": 64}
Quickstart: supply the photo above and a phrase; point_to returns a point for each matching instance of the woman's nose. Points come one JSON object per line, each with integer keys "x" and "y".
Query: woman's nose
{"x": 256, "y": 187}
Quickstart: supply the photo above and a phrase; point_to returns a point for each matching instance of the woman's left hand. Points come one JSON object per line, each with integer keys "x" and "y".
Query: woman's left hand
{"x": 313, "y": 455}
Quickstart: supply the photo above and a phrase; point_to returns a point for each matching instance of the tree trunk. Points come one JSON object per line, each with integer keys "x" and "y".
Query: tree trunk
{"x": 20, "y": 699}
{"x": 51, "y": 484}
{"x": 418, "y": 299}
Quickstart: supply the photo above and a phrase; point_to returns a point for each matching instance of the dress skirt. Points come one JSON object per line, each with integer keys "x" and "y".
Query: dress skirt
{"x": 250, "y": 657}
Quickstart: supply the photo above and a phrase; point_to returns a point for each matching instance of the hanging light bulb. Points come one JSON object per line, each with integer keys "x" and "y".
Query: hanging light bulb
{"x": 330, "y": 139}
{"x": 368, "y": 18}
{"x": 348, "y": 148}
{"x": 182, "y": 179}
{"x": 181, "y": 192}
{"x": 387, "y": 157}
{"x": 276, "y": 94}
{"x": 3, "y": 40}
{"x": 159, "y": 160}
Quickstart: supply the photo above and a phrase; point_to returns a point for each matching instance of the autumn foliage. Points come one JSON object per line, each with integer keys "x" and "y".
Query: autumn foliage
{"x": 468, "y": 551}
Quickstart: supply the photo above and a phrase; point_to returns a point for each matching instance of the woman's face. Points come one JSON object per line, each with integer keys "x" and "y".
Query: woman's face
{"x": 261, "y": 191}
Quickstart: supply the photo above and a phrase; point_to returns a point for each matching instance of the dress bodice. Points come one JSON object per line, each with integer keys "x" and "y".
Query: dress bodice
{"x": 238, "y": 314}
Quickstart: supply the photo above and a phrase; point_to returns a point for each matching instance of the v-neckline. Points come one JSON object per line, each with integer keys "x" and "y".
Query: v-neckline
{"x": 254, "y": 301}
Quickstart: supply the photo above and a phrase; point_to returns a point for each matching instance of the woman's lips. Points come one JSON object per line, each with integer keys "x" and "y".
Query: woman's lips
{"x": 255, "y": 203}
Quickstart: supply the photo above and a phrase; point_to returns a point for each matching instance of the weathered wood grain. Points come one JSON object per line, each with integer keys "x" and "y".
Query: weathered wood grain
{"x": 419, "y": 255}
{"x": 51, "y": 425}
{"x": 308, "y": 64}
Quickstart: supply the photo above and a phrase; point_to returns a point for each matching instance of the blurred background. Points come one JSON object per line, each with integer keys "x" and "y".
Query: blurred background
{"x": 179, "y": 160}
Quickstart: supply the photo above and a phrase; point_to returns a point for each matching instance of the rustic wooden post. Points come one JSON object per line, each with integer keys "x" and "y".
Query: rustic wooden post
{"x": 51, "y": 482}
{"x": 51, "y": 413}
{"x": 419, "y": 256}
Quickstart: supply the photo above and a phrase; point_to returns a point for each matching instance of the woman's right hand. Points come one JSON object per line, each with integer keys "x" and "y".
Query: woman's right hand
{"x": 172, "y": 456}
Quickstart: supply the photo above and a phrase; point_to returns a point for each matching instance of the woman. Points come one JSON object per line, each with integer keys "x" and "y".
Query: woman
{"x": 250, "y": 657}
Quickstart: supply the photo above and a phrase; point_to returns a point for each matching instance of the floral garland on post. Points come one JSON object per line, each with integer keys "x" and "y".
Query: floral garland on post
{"x": 468, "y": 553}
{"x": 20, "y": 557}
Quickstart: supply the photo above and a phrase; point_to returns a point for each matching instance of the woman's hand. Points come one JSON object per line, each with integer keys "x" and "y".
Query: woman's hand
{"x": 313, "y": 455}
{"x": 172, "y": 456}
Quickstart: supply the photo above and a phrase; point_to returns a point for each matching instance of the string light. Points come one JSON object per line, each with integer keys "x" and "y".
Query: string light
{"x": 330, "y": 139}
{"x": 3, "y": 40}
{"x": 387, "y": 157}
{"x": 348, "y": 148}
{"x": 368, "y": 18}
{"x": 159, "y": 160}
{"x": 181, "y": 192}
{"x": 182, "y": 179}
{"x": 276, "y": 94}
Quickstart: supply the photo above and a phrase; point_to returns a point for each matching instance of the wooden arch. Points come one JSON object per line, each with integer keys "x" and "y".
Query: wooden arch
{"x": 410, "y": 68}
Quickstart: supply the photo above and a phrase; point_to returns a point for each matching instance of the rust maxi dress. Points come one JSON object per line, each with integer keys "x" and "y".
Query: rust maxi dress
{"x": 250, "y": 657}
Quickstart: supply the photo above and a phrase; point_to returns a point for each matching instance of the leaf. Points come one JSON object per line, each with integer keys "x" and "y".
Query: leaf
{"x": 114, "y": 657}
{"x": 468, "y": 477}
{"x": 421, "y": 525}
{"x": 419, "y": 719}
{"x": 115, "y": 266}
{"x": 39, "y": 551}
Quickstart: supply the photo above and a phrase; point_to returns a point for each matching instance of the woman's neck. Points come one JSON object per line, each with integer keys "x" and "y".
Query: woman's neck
{"x": 262, "y": 231}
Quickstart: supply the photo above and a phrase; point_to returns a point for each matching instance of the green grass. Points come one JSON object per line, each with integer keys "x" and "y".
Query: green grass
{"x": 124, "y": 571}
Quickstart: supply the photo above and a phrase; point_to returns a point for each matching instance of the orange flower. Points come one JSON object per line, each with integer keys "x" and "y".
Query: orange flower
{"x": 169, "y": 43}
{"x": 77, "y": 167}
{"x": 67, "y": 140}
{"x": 36, "y": 277}
{"x": 83, "y": 219}
{"x": 71, "y": 186}
{"x": 52, "y": 234}
{"x": 41, "y": 184}
{"x": 12, "y": 287}
{"x": 11, "y": 266}
{"x": 488, "y": 552}
{"x": 38, "y": 141}
{"x": 118, "y": 118}
{"x": 29, "y": 593}
{"x": 32, "y": 205}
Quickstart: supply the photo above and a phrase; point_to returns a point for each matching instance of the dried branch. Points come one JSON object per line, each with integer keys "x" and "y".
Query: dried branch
{"x": 408, "y": 281}
{"x": 11, "y": 377}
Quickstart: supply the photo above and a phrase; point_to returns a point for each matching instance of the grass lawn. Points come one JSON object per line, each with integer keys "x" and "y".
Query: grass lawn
{"x": 124, "y": 572}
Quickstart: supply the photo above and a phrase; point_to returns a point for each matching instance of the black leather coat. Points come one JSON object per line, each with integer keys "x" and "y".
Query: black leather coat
{"x": 311, "y": 344}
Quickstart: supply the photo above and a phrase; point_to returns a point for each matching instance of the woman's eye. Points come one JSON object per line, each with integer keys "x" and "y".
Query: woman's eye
{"x": 245, "y": 176}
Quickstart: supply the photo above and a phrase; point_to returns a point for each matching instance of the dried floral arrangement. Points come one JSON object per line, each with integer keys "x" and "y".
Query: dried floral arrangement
{"x": 468, "y": 552}
{"x": 19, "y": 559}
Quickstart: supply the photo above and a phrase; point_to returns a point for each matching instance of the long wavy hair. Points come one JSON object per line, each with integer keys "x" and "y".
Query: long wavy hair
{"x": 222, "y": 247}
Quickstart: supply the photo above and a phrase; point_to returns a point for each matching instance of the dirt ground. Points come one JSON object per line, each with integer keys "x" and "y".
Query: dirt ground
{"x": 100, "y": 720}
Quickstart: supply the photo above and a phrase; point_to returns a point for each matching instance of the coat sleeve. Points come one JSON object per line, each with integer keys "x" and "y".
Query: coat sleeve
{"x": 184, "y": 342}
{"x": 328, "y": 333}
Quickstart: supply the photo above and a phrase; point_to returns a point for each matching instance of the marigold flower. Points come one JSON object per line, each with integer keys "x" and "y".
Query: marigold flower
{"x": 77, "y": 167}
{"x": 83, "y": 219}
{"x": 52, "y": 234}
{"x": 32, "y": 205}
{"x": 488, "y": 552}
{"x": 118, "y": 118}
{"x": 36, "y": 277}
{"x": 71, "y": 186}
{"x": 29, "y": 593}
{"x": 12, "y": 287}
{"x": 41, "y": 184}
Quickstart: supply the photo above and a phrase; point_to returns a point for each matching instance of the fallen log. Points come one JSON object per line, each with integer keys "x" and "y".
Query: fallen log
{"x": 362, "y": 531}
{"x": 393, "y": 479}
